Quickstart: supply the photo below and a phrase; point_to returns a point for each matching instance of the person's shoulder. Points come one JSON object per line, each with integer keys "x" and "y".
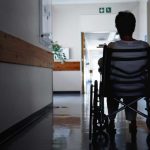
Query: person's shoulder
{"x": 111, "y": 45}
{"x": 143, "y": 43}
{"x": 115, "y": 44}
{"x": 128, "y": 44}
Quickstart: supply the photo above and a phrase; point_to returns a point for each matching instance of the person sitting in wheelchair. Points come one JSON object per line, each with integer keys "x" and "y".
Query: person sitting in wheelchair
{"x": 125, "y": 23}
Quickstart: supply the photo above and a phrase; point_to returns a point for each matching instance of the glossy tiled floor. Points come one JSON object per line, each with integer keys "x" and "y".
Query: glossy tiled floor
{"x": 66, "y": 128}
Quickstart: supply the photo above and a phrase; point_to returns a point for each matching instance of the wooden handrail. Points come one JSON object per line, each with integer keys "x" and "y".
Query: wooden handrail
{"x": 18, "y": 51}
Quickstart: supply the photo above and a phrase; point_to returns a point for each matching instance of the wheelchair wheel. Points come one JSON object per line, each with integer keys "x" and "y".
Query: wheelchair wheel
{"x": 148, "y": 112}
{"x": 102, "y": 121}
{"x": 101, "y": 141}
{"x": 91, "y": 108}
{"x": 95, "y": 114}
{"x": 148, "y": 140}
{"x": 148, "y": 123}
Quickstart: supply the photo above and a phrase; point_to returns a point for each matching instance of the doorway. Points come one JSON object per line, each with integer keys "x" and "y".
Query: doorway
{"x": 92, "y": 51}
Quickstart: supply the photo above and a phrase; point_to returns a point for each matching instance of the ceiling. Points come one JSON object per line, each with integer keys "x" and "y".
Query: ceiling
{"x": 91, "y": 1}
{"x": 94, "y": 41}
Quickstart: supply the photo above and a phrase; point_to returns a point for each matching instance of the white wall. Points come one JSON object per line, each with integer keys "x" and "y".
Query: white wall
{"x": 23, "y": 89}
{"x": 148, "y": 21}
{"x": 66, "y": 81}
{"x": 72, "y": 19}
{"x": 97, "y": 23}
{"x": 142, "y": 20}
{"x": 21, "y": 18}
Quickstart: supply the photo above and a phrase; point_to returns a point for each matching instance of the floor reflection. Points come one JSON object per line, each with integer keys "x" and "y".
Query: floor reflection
{"x": 67, "y": 120}
{"x": 110, "y": 142}
{"x": 67, "y": 128}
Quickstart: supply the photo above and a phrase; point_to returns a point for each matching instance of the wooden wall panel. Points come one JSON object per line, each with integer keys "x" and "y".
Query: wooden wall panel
{"x": 15, "y": 50}
{"x": 66, "y": 66}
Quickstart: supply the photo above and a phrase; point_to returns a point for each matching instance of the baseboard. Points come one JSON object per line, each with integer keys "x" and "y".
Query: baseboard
{"x": 17, "y": 128}
{"x": 66, "y": 92}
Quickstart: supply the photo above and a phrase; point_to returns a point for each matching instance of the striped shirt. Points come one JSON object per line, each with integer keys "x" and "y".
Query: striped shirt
{"x": 125, "y": 70}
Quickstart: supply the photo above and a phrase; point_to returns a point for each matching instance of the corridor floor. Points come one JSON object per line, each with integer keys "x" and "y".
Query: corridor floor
{"x": 66, "y": 128}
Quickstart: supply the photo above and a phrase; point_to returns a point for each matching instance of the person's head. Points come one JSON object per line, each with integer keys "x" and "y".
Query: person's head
{"x": 125, "y": 23}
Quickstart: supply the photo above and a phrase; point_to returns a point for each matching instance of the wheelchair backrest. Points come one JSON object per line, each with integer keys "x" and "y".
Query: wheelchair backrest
{"x": 125, "y": 72}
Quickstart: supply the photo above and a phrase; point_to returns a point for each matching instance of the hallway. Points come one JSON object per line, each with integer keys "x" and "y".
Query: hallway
{"x": 69, "y": 130}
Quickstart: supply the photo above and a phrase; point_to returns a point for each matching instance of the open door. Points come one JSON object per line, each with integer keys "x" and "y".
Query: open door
{"x": 92, "y": 50}
{"x": 83, "y": 59}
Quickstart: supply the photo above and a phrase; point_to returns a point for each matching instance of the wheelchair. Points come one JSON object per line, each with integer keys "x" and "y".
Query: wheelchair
{"x": 99, "y": 92}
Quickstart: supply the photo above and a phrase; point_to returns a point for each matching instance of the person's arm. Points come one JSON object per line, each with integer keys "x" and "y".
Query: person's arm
{"x": 100, "y": 63}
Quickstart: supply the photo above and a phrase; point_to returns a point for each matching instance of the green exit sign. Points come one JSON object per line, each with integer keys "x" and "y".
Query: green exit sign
{"x": 105, "y": 10}
{"x": 108, "y": 9}
{"x": 101, "y": 10}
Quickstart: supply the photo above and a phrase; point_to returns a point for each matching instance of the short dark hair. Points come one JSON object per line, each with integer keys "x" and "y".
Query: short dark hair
{"x": 125, "y": 23}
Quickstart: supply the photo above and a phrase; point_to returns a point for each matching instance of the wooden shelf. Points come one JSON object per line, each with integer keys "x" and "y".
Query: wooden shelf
{"x": 66, "y": 66}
